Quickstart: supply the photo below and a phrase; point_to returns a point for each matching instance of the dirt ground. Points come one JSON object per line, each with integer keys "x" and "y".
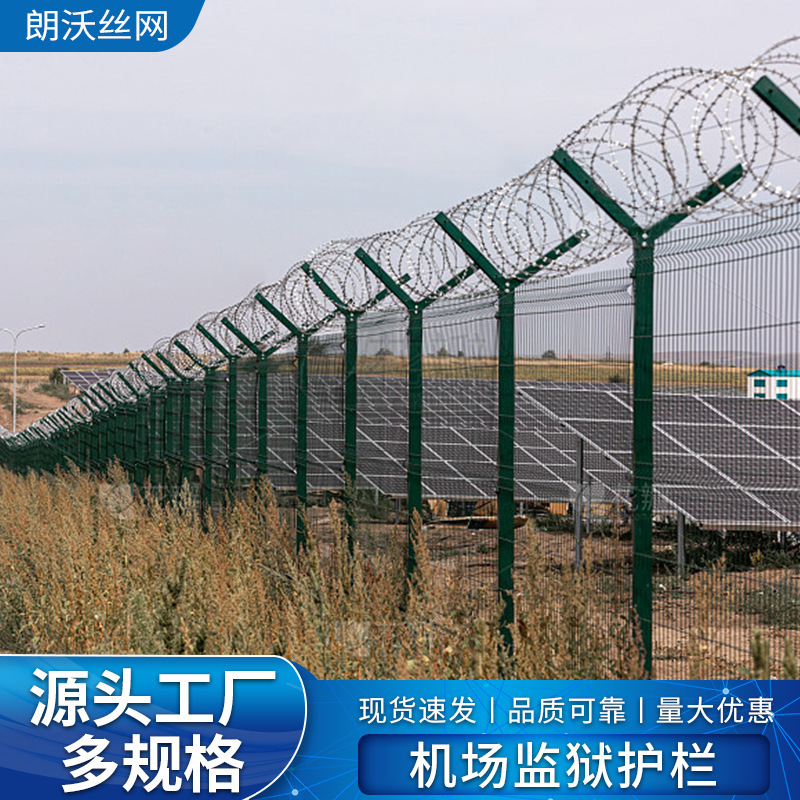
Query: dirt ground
{"x": 32, "y": 404}
{"x": 35, "y": 368}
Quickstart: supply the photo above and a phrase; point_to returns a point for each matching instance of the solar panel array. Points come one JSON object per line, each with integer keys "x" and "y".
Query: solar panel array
{"x": 722, "y": 461}
{"x": 84, "y": 378}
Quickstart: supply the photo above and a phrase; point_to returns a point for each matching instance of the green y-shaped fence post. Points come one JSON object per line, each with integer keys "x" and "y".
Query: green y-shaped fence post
{"x": 152, "y": 436}
{"x": 106, "y": 424}
{"x": 414, "y": 460}
{"x": 143, "y": 454}
{"x": 208, "y": 432}
{"x": 75, "y": 426}
{"x": 159, "y": 428}
{"x": 182, "y": 392}
{"x": 350, "y": 398}
{"x": 92, "y": 439}
{"x": 47, "y": 457}
{"x": 120, "y": 424}
{"x": 61, "y": 441}
{"x": 64, "y": 437}
{"x": 120, "y": 421}
{"x": 130, "y": 428}
{"x": 79, "y": 426}
{"x": 186, "y": 432}
{"x": 232, "y": 461}
{"x": 84, "y": 460}
{"x": 506, "y": 402}
{"x": 172, "y": 392}
{"x": 351, "y": 317}
{"x": 95, "y": 431}
{"x": 115, "y": 435}
{"x": 261, "y": 399}
{"x": 34, "y": 459}
{"x": 98, "y": 407}
{"x": 415, "y": 310}
{"x": 643, "y": 299}
{"x": 301, "y": 453}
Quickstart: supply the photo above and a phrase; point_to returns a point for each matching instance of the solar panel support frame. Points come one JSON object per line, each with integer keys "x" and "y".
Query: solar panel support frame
{"x": 262, "y": 371}
{"x": 577, "y": 511}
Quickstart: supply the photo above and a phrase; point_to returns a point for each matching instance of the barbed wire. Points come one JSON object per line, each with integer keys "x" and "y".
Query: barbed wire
{"x": 673, "y": 134}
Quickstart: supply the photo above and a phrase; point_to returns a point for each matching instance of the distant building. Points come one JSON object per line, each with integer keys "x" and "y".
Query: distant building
{"x": 774, "y": 384}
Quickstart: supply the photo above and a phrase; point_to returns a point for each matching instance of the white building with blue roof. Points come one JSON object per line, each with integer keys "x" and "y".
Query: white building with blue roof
{"x": 774, "y": 384}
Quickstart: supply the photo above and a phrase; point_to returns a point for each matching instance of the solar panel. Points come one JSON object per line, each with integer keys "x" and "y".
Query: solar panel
{"x": 83, "y": 378}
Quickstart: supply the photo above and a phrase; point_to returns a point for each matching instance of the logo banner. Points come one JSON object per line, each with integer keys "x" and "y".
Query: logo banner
{"x": 126, "y": 27}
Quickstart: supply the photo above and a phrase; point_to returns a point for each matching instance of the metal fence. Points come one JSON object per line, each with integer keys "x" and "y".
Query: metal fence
{"x": 503, "y": 384}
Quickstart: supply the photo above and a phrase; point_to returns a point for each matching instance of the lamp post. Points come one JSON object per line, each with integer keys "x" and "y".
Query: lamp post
{"x": 16, "y": 336}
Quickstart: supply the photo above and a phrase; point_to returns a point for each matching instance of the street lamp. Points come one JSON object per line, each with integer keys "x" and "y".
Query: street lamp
{"x": 16, "y": 336}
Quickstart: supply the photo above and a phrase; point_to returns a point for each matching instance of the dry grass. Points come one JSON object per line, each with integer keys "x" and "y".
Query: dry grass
{"x": 575, "y": 625}
{"x": 34, "y": 364}
{"x": 88, "y": 567}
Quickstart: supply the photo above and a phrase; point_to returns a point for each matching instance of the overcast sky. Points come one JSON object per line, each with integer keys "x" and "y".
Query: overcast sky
{"x": 139, "y": 191}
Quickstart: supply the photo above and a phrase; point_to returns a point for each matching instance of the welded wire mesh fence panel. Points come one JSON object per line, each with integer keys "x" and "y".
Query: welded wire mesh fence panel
{"x": 217, "y": 456}
{"x": 191, "y": 438}
{"x": 573, "y": 435}
{"x": 142, "y": 436}
{"x": 247, "y": 421}
{"x": 326, "y": 427}
{"x": 459, "y": 450}
{"x": 326, "y": 411}
{"x": 196, "y": 423}
{"x": 156, "y": 430}
{"x": 382, "y": 435}
{"x": 727, "y": 450}
{"x": 173, "y": 429}
{"x": 156, "y": 419}
{"x": 282, "y": 420}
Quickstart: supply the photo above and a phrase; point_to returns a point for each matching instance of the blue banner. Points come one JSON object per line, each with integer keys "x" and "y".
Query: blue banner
{"x": 259, "y": 726}
{"x": 40, "y": 26}
{"x": 119, "y": 726}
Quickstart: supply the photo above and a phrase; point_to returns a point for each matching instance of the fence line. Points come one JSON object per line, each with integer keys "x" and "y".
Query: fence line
{"x": 322, "y": 383}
